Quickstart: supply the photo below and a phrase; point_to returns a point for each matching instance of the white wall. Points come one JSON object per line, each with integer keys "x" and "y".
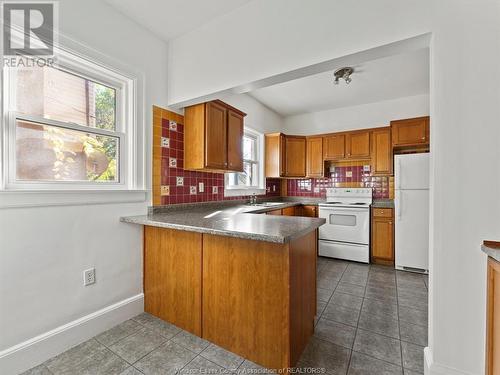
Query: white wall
{"x": 370, "y": 115}
{"x": 267, "y": 37}
{"x": 259, "y": 117}
{"x": 465, "y": 135}
{"x": 43, "y": 250}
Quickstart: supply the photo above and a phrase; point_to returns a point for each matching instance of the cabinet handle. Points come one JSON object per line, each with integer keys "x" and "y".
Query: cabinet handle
{"x": 423, "y": 138}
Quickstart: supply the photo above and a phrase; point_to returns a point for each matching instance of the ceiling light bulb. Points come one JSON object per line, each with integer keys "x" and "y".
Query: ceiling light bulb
{"x": 348, "y": 79}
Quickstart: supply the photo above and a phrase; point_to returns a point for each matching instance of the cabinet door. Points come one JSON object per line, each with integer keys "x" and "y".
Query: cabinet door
{"x": 295, "y": 156}
{"x": 288, "y": 211}
{"x": 382, "y": 152}
{"x": 382, "y": 241}
{"x": 314, "y": 157}
{"x": 216, "y": 136}
{"x": 234, "y": 141}
{"x": 410, "y": 132}
{"x": 309, "y": 211}
{"x": 334, "y": 147}
{"x": 358, "y": 145}
{"x": 274, "y": 212}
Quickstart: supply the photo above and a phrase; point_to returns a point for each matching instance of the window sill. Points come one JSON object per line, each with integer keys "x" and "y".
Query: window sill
{"x": 241, "y": 192}
{"x": 44, "y": 198}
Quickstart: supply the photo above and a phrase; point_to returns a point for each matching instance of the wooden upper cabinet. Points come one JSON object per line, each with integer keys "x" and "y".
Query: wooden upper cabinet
{"x": 413, "y": 132}
{"x": 216, "y": 136}
{"x": 295, "y": 156}
{"x": 382, "y": 152}
{"x": 358, "y": 145}
{"x": 234, "y": 140}
{"x": 314, "y": 157}
{"x": 213, "y": 137}
{"x": 285, "y": 155}
{"x": 334, "y": 147}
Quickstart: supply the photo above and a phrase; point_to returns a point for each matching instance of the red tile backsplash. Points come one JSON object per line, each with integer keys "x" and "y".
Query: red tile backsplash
{"x": 172, "y": 167}
{"x": 316, "y": 187}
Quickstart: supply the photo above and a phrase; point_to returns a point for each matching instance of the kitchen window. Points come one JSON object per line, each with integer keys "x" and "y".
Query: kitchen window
{"x": 251, "y": 180}
{"x": 69, "y": 126}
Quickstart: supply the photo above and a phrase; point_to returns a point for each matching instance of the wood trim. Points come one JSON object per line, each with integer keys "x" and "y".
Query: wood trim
{"x": 493, "y": 318}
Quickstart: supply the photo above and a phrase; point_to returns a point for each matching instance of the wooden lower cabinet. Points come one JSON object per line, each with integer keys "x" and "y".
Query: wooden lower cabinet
{"x": 254, "y": 298}
{"x": 382, "y": 244}
{"x": 309, "y": 211}
{"x": 274, "y": 212}
{"x": 289, "y": 211}
{"x": 172, "y": 277}
{"x": 493, "y": 319}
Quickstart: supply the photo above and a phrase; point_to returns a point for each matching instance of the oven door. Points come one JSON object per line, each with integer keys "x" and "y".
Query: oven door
{"x": 345, "y": 224}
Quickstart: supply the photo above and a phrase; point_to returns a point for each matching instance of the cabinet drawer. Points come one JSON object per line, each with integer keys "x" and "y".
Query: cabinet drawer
{"x": 382, "y": 212}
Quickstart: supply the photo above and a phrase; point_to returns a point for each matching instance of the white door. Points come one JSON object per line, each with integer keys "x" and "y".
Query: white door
{"x": 411, "y": 171}
{"x": 345, "y": 224}
{"x": 412, "y": 229}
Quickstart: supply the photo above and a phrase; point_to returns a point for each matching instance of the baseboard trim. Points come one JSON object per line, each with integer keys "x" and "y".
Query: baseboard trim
{"x": 32, "y": 352}
{"x": 432, "y": 368}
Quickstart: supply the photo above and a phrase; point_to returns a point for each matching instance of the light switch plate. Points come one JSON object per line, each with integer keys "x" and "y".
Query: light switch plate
{"x": 192, "y": 190}
{"x": 201, "y": 187}
{"x": 172, "y": 162}
{"x": 215, "y": 189}
{"x": 180, "y": 181}
{"x": 348, "y": 173}
{"x": 172, "y": 125}
{"x": 164, "y": 190}
{"x": 165, "y": 142}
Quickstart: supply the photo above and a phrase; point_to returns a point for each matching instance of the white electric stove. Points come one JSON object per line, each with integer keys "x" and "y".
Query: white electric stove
{"x": 346, "y": 233}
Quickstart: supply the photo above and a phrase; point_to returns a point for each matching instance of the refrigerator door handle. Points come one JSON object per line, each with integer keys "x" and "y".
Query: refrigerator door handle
{"x": 398, "y": 173}
{"x": 400, "y": 203}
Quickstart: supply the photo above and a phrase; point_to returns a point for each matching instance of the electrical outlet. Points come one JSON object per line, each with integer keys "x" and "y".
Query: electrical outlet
{"x": 165, "y": 190}
{"x": 180, "y": 181}
{"x": 172, "y": 162}
{"x": 201, "y": 187}
{"x": 89, "y": 277}
{"x": 192, "y": 190}
{"x": 348, "y": 173}
{"x": 172, "y": 125}
{"x": 316, "y": 189}
{"x": 215, "y": 189}
{"x": 274, "y": 187}
{"x": 165, "y": 142}
{"x": 366, "y": 168}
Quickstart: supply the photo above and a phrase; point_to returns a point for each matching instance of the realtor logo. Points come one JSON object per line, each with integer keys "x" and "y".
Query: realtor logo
{"x": 29, "y": 28}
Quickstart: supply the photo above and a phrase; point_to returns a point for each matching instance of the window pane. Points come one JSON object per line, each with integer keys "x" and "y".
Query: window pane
{"x": 249, "y": 150}
{"x": 50, "y": 153}
{"x": 62, "y": 96}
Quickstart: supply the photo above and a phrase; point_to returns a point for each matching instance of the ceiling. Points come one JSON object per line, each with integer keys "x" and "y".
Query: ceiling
{"x": 171, "y": 18}
{"x": 388, "y": 78}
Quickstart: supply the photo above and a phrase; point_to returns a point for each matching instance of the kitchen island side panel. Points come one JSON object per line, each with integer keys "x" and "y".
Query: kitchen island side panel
{"x": 172, "y": 276}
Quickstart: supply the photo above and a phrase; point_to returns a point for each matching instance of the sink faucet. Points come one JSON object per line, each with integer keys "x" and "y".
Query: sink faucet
{"x": 253, "y": 199}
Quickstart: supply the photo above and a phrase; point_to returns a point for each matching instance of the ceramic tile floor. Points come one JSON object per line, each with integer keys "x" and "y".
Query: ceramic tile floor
{"x": 371, "y": 320}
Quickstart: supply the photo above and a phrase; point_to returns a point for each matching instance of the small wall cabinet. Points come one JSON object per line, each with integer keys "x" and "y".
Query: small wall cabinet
{"x": 314, "y": 157}
{"x": 382, "y": 250}
{"x": 285, "y": 155}
{"x": 382, "y": 163}
{"x": 213, "y": 136}
{"x": 358, "y": 145}
{"x": 334, "y": 147}
{"x": 410, "y": 133}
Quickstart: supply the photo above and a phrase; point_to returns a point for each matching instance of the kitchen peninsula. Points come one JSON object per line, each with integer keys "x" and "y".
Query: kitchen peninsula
{"x": 244, "y": 281}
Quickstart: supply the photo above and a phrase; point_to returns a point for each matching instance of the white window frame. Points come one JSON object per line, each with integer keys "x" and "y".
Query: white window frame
{"x": 125, "y": 121}
{"x": 260, "y": 189}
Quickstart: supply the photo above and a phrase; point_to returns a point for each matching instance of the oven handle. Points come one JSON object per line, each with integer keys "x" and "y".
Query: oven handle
{"x": 343, "y": 210}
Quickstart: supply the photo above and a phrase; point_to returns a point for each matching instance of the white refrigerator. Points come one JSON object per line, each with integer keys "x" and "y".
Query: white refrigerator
{"x": 412, "y": 212}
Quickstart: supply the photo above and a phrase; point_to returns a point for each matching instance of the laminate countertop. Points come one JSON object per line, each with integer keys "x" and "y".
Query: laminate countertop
{"x": 492, "y": 249}
{"x": 383, "y": 203}
{"x": 237, "y": 220}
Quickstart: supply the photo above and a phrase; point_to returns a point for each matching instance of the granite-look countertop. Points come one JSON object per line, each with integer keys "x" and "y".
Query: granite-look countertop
{"x": 383, "y": 203}
{"x": 492, "y": 249}
{"x": 237, "y": 220}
